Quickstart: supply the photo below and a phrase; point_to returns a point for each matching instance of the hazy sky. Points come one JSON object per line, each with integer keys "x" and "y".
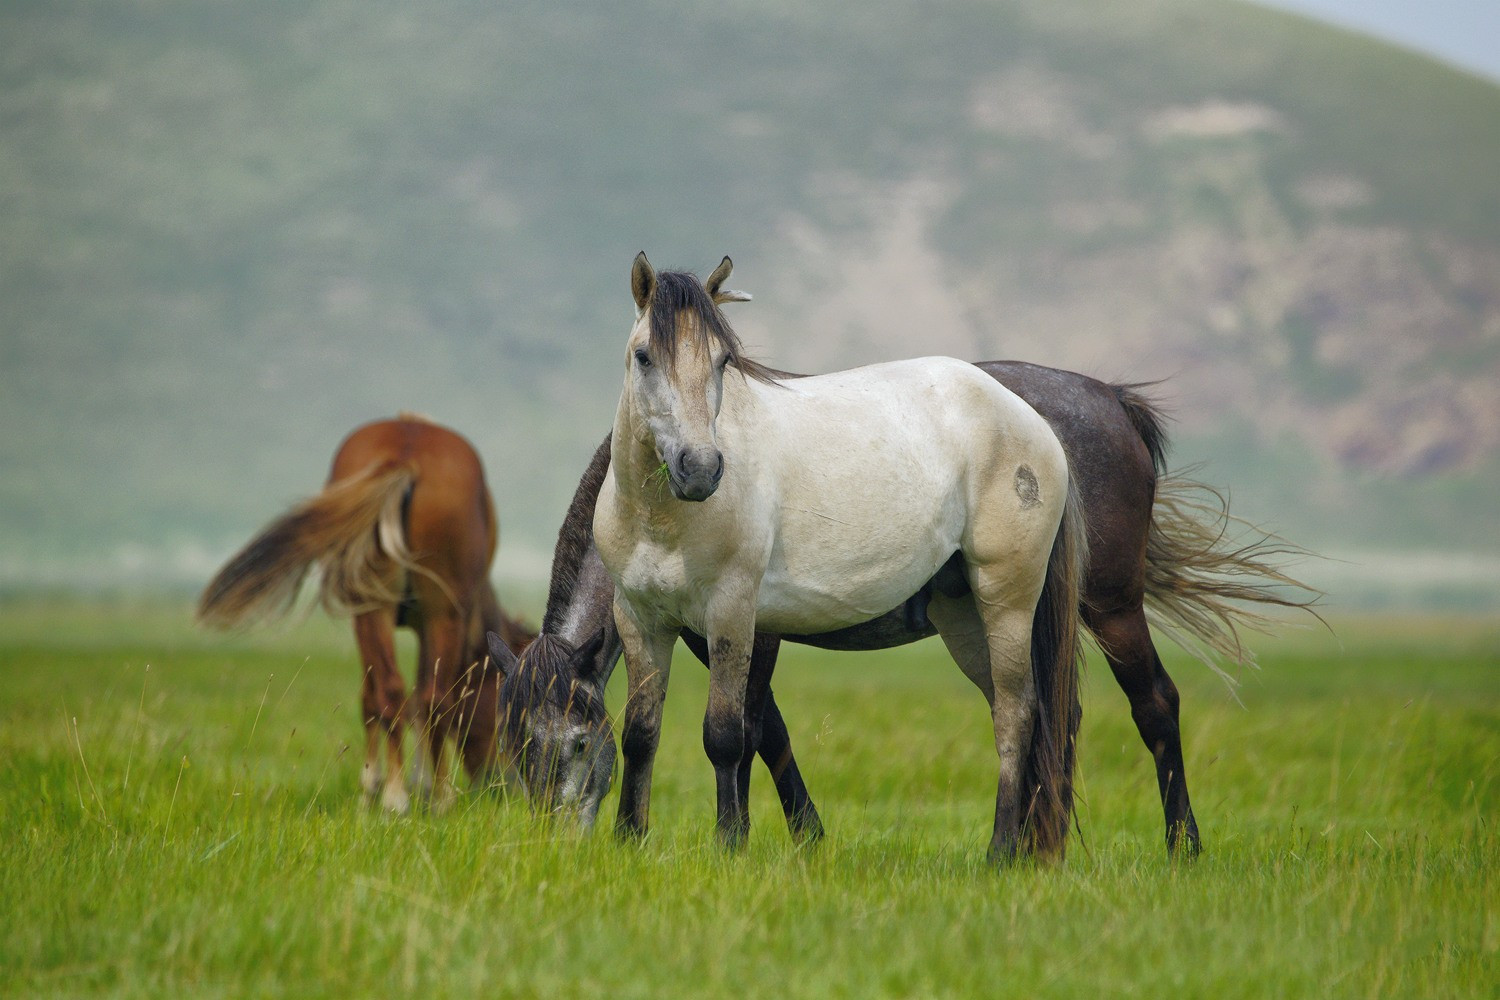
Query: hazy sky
{"x": 1465, "y": 33}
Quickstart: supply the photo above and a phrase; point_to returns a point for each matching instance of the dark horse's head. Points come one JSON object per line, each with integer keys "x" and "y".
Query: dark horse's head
{"x": 554, "y": 725}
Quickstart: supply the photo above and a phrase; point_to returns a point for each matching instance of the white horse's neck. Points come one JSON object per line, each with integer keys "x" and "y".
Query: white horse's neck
{"x": 635, "y": 465}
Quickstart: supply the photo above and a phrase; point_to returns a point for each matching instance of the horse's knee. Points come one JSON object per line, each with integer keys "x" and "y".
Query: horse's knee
{"x": 725, "y": 739}
{"x": 639, "y": 735}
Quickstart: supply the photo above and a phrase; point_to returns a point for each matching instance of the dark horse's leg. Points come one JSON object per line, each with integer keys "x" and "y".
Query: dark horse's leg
{"x": 1126, "y": 641}
{"x": 771, "y": 741}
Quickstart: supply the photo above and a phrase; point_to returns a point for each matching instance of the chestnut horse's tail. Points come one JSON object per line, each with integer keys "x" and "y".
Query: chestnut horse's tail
{"x": 1203, "y": 564}
{"x": 353, "y": 530}
{"x": 1056, "y": 656}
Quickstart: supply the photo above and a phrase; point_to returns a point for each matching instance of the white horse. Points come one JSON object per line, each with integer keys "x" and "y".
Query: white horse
{"x": 734, "y": 501}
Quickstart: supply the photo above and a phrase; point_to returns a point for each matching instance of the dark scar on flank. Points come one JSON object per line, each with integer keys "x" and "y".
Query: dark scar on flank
{"x": 1027, "y": 488}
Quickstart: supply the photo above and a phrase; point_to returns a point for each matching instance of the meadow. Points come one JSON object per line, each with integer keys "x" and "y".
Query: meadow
{"x": 180, "y": 818}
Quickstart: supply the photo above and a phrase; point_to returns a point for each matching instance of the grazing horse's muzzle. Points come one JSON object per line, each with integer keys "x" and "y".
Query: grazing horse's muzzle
{"x": 695, "y": 473}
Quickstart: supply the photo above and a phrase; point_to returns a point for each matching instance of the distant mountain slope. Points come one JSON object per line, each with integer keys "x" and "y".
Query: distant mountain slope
{"x": 229, "y": 233}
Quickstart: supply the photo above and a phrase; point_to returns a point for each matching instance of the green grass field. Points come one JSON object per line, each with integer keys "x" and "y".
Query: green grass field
{"x": 180, "y": 818}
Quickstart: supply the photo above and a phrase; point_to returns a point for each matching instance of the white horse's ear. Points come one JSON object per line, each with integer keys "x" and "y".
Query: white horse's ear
{"x": 501, "y": 657}
{"x": 643, "y": 282}
{"x": 720, "y": 275}
{"x": 715, "y": 285}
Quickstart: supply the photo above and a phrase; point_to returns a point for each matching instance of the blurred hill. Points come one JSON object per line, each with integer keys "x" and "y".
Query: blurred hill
{"x": 231, "y": 232}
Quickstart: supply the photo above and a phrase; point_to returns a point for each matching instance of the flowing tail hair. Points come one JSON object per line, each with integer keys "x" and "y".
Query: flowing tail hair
{"x": 1205, "y": 567}
{"x": 1056, "y": 658}
{"x": 353, "y": 530}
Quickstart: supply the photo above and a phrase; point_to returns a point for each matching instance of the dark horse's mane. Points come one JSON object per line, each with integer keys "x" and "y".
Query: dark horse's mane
{"x": 573, "y": 539}
{"x": 546, "y": 676}
{"x": 680, "y": 291}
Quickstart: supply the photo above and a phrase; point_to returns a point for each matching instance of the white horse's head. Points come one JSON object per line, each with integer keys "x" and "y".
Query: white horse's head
{"x": 675, "y": 361}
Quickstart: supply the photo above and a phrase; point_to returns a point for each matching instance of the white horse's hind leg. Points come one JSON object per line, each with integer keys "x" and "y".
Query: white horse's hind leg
{"x": 993, "y": 649}
{"x": 962, "y": 631}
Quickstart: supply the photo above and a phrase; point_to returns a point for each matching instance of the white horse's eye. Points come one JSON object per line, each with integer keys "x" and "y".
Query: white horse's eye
{"x": 642, "y": 358}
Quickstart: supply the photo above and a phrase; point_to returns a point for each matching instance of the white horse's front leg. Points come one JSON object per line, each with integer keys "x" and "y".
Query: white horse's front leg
{"x": 648, "y": 664}
{"x": 726, "y": 731}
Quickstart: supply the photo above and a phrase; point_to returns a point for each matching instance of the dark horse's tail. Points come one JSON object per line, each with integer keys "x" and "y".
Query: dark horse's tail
{"x": 353, "y": 530}
{"x": 1056, "y": 654}
{"x": 1203, "y": 564}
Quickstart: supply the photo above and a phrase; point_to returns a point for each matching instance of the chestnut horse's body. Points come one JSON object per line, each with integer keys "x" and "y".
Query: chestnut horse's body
{"x": 404, "y": 534}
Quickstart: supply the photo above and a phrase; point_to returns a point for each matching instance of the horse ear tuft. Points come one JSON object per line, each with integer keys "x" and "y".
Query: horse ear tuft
{"x": 642, "y": 282}
{"x": 500, "y": 655}
{"x": 715, "y": 285}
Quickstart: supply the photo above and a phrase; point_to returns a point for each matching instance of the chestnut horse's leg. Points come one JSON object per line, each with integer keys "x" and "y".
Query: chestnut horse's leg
{"x": 439, "y": 676}
{"x": 1126, "y": 641}
{"x": 478, "y": 735}
{"x": 382, "y": 707}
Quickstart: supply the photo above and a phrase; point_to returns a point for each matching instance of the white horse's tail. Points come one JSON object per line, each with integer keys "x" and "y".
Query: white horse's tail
{"x": 1056, "y": 657}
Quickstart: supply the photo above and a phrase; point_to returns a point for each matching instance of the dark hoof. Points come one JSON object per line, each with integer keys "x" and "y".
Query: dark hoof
{"x": 1003, "y": 853}
{"x": 732, "y": 839}
{"x": 1183, "y": 843}
{"x": 806, "y": 828}
{"x": 629, "y": 833}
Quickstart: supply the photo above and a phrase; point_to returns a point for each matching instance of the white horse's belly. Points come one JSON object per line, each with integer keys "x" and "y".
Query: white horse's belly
{"x": 848, "y": 592}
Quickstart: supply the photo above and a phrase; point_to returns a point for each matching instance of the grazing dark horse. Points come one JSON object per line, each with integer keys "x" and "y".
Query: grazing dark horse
{"x": 404, "y": 534}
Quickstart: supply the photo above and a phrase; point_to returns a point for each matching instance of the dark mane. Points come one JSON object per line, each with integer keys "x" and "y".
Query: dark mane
{"x": 545, "y": 676}
{"x": 680, "y": 291}
{"x": 574, "y": 538}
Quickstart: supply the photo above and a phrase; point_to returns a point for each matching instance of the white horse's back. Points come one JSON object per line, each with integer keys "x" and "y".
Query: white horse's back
{"x": 869, "y": 479}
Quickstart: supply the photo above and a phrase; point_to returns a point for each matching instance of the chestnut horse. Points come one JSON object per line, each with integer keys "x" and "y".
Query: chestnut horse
{"x": 404, "y": 534}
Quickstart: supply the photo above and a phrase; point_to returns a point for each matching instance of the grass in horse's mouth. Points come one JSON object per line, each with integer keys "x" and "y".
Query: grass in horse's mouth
{"x": 658, "y": 476}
